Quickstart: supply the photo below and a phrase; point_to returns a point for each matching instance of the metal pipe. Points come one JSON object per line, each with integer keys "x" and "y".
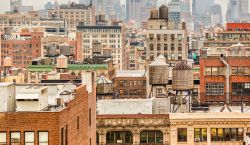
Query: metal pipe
{"x": 227, "y": 79}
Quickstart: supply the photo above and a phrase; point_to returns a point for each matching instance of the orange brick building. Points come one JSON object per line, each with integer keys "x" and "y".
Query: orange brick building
{"x": 22, "y": 49}
{"x": 213, "y": 80}
{"x": 238, "y": 27}
{"x": 73, "y": 124}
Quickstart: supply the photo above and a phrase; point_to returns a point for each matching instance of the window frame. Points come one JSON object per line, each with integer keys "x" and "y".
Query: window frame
{"x": 25, "y": 137}
{"x": 38, "y": 137}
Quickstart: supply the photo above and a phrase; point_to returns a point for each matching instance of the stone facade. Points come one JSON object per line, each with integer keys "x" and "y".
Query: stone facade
{"x": 169, "y": 124}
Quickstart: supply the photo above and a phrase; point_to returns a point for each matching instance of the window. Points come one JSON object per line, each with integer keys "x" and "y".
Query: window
{"x": 151, "y": 47}
{"x": 240, "y": 89}
{"x": 119, "y": 137}
{"x": 89, "y": 116}
{"x": 208, "y": 70}
{"x": 227, "y": 134}
{"x": 151, "y": 136}
{"x": 15, "y": 138}
{"x": 29, "y": 138}
{"x": 3, "y": 140}
{"x": 200, "y": 134}
{"x": 182, "y": 134}
{"x": 165, "y": 37}
{"x": 158, "y": 36}
{"x": 43, "y": 138}
{"x": 151, "y": 36}
{"x": 158, "y": 91}
{"x": 165, "y": 47}
{"x": 62, "y": 136}
{"x": 158, "y": 47}
{"x": 78, "y": 123}
{"x": 214, "y": 88}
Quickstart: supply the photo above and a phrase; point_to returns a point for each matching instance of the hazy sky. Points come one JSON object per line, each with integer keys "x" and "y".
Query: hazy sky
{"x": 39, "y": 4}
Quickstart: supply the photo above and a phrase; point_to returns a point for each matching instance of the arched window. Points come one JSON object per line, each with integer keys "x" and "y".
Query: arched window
{"x": 119, "y": 137}
{"x": 151, "y": 136}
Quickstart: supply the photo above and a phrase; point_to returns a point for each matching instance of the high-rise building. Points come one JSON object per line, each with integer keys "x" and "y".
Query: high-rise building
{"x": 74, "y": 14}
{"x": 216, "y": 15}
{"x": 174, "y": 10}
{"x": 15, "y": 4}
{"x": 165, "y": 37}
{"x": 134, "y": 10}
{"x": 244, "y": 6}
{"x": 201, "y": 7}
{"x": 233, "y": 11}
{"x": 110, "y": 39}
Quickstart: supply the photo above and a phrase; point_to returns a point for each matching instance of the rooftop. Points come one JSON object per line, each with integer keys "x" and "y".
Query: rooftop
{"x": 130, "y": 73}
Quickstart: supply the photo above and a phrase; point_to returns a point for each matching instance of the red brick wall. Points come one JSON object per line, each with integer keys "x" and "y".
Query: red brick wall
{"x": 31, "y": 121}
{"x": 53, "y": 122}
{"x": 79, "y": 107}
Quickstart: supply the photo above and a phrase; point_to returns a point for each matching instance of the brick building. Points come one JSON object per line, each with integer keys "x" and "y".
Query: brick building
{"x": 71, "y": 124}
{"x": 21, "y": 48}
{"x": 225, "y": 77}
{"x": 130, "y": 84}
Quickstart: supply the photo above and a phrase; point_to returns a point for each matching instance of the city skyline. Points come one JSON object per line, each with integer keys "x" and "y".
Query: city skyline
{"x": 40, "y": 4}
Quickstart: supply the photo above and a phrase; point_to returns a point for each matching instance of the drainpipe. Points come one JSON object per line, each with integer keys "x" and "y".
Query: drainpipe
{"x": 227, "y": 79}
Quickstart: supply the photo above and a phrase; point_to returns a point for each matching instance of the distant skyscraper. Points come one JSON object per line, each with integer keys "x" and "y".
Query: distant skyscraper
{"x": 134, "y": 10}
{"x": 244, "y": 6}
{"x": 233, "y": 11}
{"x": 15, "y": 4}
{"x": 174, "y": 10}
{"x": 216, "y": 15}
{"x": 201, "y": 7}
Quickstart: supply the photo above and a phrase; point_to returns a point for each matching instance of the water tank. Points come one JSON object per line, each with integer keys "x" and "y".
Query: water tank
{"x": 7, "y": 62}
{"x": 62, "y": 61}
{"x": 163, "y": 12}
{"x": 158, "y": 72}
{"x": 154, "y": 14}
{"x": 104, "y": 86}
{"x": 97, "y": 47}
{"x": 182, "y": 77}
{"x": 51, "y": 50}
{"x": 65, "y": 49}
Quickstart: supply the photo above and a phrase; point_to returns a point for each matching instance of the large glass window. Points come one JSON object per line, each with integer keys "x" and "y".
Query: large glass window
{"x": 43, "y": 138}
{"x": 119, "y": 137}
{"x": 15, "y": 138}
{"x": 182, "y": 134}
{"x": 29, "y": 138}
{"x": 214, "y": 88}
{"x": 240, "y": 89}
{"x": 151, "y": 136}
{"x": 3, "y": 140}
{"x": 200, "y": 134}
{"x": 227, "y": 134}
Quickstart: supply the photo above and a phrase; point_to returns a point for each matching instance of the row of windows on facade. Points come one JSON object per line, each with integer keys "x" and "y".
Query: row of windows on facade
{"x": 18, "y": 46}
{"x": 165, "y": 37}
{"x": 156, "y": 136}
{"x": 101, "y": 36}
{"x": 165, "y": 47}
{"x": 126, "y": 83}
{"x": 221, "y": 71}
{"x": 217, "y": 134}
{"x": 237, "y": 88}
{"x": 171, "y": 56}
{"x": 28, "y": 138}
{"x": 102, "y": 31}
{"x": 131, "y": 92}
